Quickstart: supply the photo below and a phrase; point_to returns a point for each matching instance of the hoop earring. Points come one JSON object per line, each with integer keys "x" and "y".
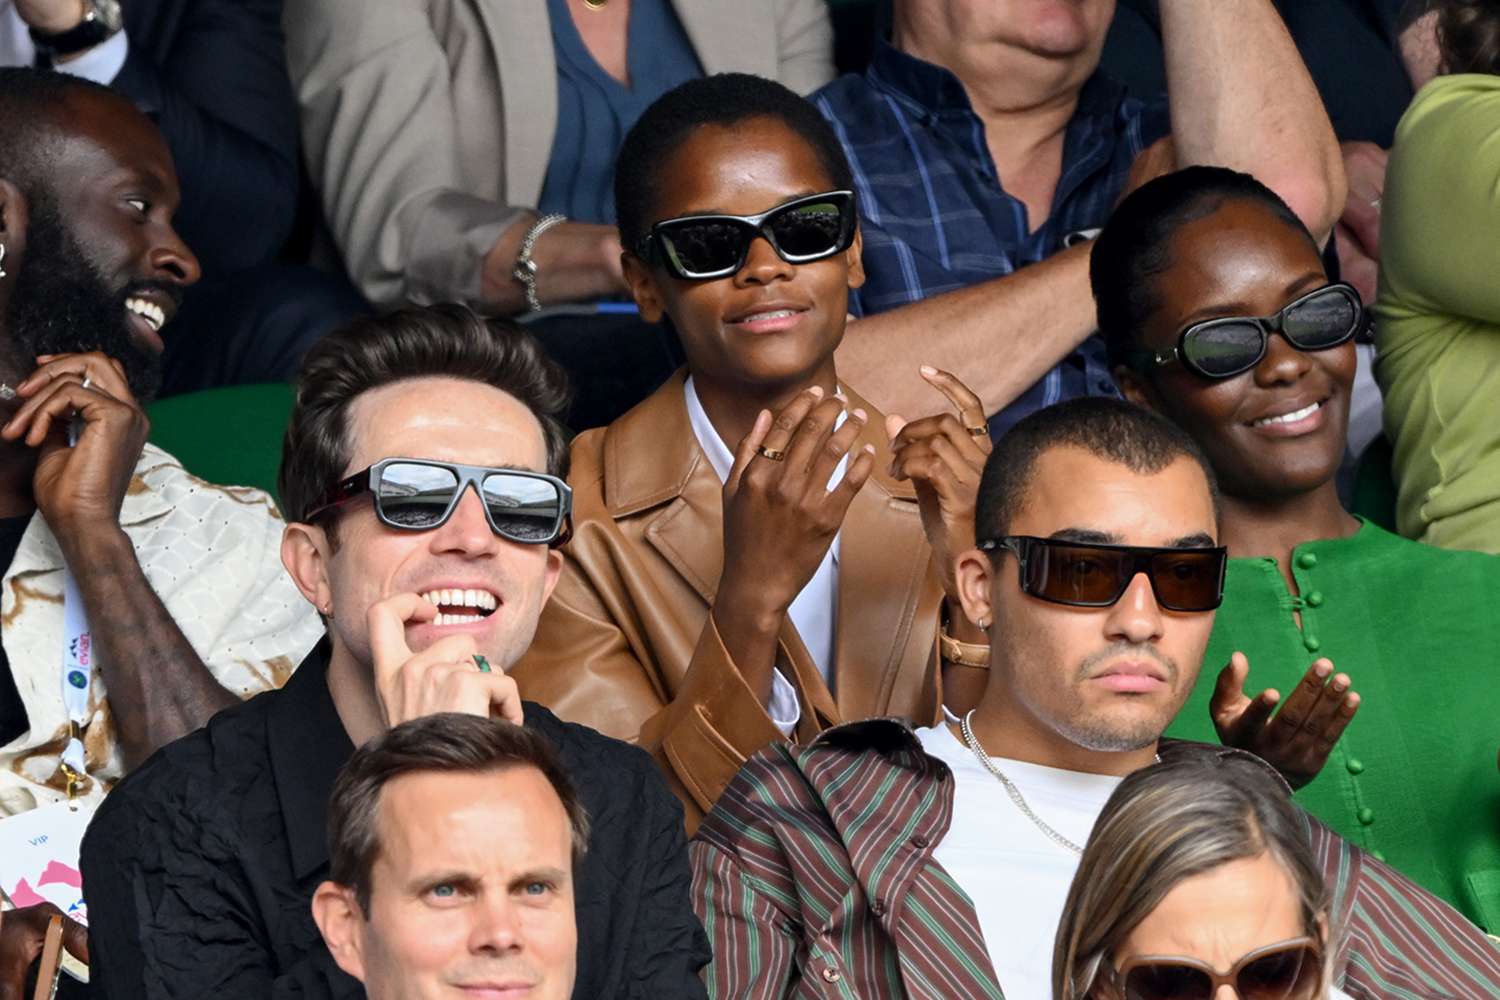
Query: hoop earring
{"x": 2, "y": 260}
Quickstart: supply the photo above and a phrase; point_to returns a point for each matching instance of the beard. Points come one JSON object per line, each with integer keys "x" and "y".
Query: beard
{"x": 62, "y": 305}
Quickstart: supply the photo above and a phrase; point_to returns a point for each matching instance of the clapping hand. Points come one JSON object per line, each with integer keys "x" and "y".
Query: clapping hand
{"x": 943, "y": 457}
{"x": 1296, "y": 740}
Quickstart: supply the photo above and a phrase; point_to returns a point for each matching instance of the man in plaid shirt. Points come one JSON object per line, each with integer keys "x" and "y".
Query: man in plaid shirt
{"x": 987, "y": 147}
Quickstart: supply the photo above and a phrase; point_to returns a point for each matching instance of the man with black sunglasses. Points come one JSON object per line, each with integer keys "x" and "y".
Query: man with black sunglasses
{"x": 422, "y": 475}
{"x": 933, "y": 864}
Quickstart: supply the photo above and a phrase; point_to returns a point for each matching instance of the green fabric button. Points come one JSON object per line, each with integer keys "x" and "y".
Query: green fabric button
{"x": 1366, "y": 816}
{"x": 1307, "y": 560}
{"x": 1312, "y": 644}
{"x": 1315, "y": 599}
{"x": 1355, "y": 765}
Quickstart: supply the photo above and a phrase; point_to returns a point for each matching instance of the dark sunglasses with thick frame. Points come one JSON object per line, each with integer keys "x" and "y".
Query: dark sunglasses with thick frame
{"x": 1090, "y": 575}
{"x": 1287, "y": 970}
{"x": 704, "y": 247}
{"x": 419, "y": 494}
{"x": 1226, "y": 346}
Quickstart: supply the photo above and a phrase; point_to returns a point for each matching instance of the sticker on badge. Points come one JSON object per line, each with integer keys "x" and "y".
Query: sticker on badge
{"x": 39, "y": 852}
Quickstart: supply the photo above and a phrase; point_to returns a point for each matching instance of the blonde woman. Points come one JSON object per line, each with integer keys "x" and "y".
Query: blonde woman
{"x": 1198, "y": 875}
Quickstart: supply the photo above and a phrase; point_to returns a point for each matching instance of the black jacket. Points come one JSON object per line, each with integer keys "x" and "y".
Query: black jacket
{"x": 213, "y": 75}
{"x": 200, "y": 866}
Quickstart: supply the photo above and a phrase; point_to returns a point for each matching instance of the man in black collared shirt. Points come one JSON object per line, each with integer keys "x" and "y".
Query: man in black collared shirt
{"x": 200, "y": 869}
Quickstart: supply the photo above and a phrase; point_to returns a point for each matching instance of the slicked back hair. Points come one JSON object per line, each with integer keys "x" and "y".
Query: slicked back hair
{"x": 30, "y": 127}
{"x": 415, "y": 342}
{"x": 1135, "y": 248}
{"x": 723, "y": 99}
{"x": 446, "y": 743}
{"x": 1111, "y": 429}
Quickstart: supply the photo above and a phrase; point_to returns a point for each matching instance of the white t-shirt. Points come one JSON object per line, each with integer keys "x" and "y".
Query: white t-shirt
{"x": 1016, "y": 876}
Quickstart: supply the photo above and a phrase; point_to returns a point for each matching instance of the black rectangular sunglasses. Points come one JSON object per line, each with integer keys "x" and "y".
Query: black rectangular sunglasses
{"x": 1087, "y": 575}
{"x": 702, "y": 247}
{"x": 417, "y": 494}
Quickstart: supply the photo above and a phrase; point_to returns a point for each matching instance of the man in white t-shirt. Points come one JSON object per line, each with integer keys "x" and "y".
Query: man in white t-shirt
{"x": 878, "y": 862}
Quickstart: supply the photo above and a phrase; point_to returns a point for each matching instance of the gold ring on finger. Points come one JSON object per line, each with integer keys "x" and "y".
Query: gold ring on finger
{"x": 982, "y": 430}
{"x": 774, "y": 454}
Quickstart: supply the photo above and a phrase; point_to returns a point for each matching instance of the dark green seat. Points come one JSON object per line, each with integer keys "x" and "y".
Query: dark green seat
{"x": 229, "y": 436}
{"x": 1374, "y": 488}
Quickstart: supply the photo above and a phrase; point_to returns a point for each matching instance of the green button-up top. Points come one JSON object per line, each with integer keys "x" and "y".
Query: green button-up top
{"x": 1417, "y": 628}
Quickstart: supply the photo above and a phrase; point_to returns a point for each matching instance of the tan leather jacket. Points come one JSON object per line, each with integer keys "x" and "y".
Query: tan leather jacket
{"x": 626, "y": 644}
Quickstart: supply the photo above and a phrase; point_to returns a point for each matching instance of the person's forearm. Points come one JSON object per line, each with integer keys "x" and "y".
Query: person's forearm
{"x": 1241, "y": 97}
{"x": 999, "y": 337}
{"x": 159, "y": 688}
{"x": 575, "y": 261}
{"x": 750, "y": 636}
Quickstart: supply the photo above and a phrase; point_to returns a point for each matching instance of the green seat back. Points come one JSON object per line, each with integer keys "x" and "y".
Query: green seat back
{"x": 229, "y": 436}
{"x": 1374, "y": 488}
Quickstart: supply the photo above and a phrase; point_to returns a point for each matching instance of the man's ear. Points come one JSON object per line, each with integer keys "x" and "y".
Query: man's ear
{"x": 305, "y": 553}
{"x": 555, "y": 561}
{"x": 1135, "y": 388}
{"x": 13, "y": 221}
{"x": 975, "y": 574}
{"x": 642, "y": 287}
{"x": 340, "y": 920}
{"x": 855, "y": 258}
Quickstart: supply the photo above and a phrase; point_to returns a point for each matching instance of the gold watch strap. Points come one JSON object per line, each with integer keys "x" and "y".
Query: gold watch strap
{"x": 965, "y": 654}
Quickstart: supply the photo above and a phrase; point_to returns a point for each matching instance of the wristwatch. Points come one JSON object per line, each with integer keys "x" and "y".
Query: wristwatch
{"x": 525, "y": 269}
{"x": 101, "y": 19}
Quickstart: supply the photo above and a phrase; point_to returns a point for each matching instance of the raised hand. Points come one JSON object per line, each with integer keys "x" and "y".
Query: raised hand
{"x": 780, "y": 517}
{"x": 79, "y": 489}
{"x": 943, "y": 457}
{"x": 444, "y": 677}
{"x": 1296, "y": 740}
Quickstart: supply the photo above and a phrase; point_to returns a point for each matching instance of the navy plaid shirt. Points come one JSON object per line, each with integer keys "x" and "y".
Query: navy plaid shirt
{"x": 932, "y": 209}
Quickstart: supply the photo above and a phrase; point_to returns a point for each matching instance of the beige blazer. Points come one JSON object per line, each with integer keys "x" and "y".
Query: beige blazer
{"x": 627, "y": 645}
{"x": 428, "y": 124}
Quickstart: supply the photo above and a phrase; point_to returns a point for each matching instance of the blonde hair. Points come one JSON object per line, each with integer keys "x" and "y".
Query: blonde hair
{"x": 1169, "y": 822}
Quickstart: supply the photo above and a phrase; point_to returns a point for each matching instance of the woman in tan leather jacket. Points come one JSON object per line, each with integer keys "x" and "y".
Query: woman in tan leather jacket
{"x": 749, "y": 561}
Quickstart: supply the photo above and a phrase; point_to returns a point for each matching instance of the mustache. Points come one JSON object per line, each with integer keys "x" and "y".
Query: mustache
{"x": 1132, "y": 650}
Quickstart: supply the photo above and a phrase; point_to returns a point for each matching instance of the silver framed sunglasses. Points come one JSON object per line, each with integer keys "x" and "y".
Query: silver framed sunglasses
{"x": 419, "y": 494}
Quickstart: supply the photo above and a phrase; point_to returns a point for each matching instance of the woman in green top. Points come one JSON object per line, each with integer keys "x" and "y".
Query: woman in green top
{"x": 1438, "y": 335}
{"x": 1217, "y": 310}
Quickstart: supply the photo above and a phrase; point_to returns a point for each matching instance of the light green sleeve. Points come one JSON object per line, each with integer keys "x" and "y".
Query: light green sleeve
{"x": 1440, "y": 231}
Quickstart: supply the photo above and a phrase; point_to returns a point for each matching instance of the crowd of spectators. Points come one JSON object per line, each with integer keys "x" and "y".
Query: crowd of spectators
{"x": 748, "y": 533}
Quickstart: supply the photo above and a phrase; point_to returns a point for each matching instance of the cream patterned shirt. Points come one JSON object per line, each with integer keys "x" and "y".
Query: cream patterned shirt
{"x": 213, "y": 556}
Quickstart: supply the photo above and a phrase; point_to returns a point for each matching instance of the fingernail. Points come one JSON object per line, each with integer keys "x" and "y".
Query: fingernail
{"x": 869, "y": 448}
{"x": 860, "y": 415}
{"x": 817, "y": 391}
{"x": 1322, "y": 670}
{"x": 928, "y": 370}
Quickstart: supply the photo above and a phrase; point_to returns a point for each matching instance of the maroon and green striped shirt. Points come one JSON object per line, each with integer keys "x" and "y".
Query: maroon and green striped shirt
{"x": 814, "y": 877}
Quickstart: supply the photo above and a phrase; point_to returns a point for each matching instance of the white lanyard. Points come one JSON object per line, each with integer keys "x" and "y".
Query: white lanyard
{"x": 77, "y": 677}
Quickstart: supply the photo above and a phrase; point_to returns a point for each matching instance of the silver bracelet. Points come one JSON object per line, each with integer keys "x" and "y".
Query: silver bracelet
{"x": 525, "y": 269}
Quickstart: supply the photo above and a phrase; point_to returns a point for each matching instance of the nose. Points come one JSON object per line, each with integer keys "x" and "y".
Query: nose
{"x": 1283, "y": 363}
{"x": 172, "y": 261}
{"x": 763, "y": 264}
{"x": 496, "y": 926}
{"x": 467, "y": 531}
{"x": 1135, "y": 617}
